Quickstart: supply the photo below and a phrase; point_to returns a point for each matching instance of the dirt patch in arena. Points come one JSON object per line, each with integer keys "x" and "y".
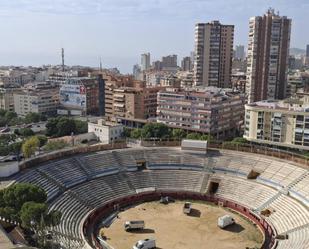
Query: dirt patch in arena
{"x": 174, "y": 230}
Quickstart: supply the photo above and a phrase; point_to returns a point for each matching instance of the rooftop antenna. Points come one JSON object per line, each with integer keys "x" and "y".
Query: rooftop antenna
{"x": 101, "y": 65}
{"x": 62, "y": 56}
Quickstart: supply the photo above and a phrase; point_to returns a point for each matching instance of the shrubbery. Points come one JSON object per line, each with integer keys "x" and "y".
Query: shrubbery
{"x": 55, "y": 145}
{"x": 63, "y": 126}
{"x": 162, "y": 131}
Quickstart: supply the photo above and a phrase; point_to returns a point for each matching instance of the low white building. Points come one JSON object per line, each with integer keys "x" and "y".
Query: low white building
{"x": 106, "y": 132}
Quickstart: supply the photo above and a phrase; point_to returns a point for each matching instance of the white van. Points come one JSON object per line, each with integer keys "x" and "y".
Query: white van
{"x": 225, "y": 221}
{"x": 187, "y": 208}
{"x": 145, "y": 244}
{"x": 134, "y": 225}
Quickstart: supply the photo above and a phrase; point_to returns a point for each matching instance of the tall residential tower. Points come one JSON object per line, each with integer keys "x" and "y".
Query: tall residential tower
{"x": 267, "y": 57}
{"x": 145, "y": 61}
{"x": 213, "y": 54}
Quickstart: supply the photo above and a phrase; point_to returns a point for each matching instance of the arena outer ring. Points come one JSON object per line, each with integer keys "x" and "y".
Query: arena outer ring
{"x": 90, "y": 222}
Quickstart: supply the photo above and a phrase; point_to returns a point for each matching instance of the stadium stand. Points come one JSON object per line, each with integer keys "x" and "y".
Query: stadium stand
{"x": 78, "y": 185}
{"x": 66, "y": 172}
{"x": 38, "y": 179}
{"x": 296, "y": 239}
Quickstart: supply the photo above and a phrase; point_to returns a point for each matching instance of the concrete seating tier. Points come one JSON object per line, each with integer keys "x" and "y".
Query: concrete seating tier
{"x": 128, "y": 158}
{"x": 36, "y": 178}
{"x": 184, "y": 180}
{"x": 102, "y": 190}
{"x": 67, "y": 172}
{"x": 97, "y": 163}
{"x": 298, "y": 239}
{"x": 273, "y": 172}
{"x": 287, "y": 214}
{"x": 301, "y": 188}
{"x": 73, "y": 211}
{"x": 245, "y": 192}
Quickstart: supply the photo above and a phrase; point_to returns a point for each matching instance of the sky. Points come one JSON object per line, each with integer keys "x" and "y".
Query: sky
{"x": 34, "y": 31}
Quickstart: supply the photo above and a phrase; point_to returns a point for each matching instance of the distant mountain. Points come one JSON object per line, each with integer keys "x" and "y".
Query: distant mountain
{"x": 297, "y": 51}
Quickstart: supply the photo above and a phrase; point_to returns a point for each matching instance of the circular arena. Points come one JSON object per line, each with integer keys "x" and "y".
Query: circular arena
{"x": 91, "y": 190}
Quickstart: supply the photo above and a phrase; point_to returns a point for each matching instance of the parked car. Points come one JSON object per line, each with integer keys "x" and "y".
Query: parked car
{"x": 145, "y": 244}
{"x": 225, "y": 221}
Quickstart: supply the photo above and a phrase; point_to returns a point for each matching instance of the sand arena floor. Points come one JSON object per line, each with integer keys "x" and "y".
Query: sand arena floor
{"x": 174, "y": 230}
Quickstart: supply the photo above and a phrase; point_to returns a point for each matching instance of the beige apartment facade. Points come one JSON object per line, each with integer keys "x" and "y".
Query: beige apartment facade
{"x": 42, "y": 101}
{"x": 278, "y": 123}
{"x": 7, "y": 99}
{"x": 126, "y": 98}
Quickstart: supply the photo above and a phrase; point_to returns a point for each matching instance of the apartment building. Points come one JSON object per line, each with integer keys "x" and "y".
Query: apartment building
{"x": 268, "y": 54}
{"x": 145, "y": 61}
{"x": 186, "y": 64}
{"x": 169, "y": 62}
{"x": 127, "y": 98}
{"x": 207, "y": 110}
{"x": 213, "y": 54}
{"x": 279, "y": 123}
{"x": 82, "y": 96}
{"x": 7, "y": 99}
{"x": 38, "y": 101}
{"x": 240, "y": 52}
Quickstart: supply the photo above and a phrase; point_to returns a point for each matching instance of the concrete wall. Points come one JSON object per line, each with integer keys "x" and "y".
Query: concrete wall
{"x": 8, "y": 169}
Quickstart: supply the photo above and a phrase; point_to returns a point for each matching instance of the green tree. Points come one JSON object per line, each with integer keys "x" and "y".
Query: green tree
{"x": 65, "y": 127}
{"x": 55, "y": 145}
{"x": 178, "y": 133}
{"x": 32, "y": 212}
{"x": 16, "y": 132}
{"x": 4, "y": 150}
{"x": 9, "y": 213}
{"x": 194, "y": 136}
{"x": 43, "y": 117}
{"x": 53, "y": 218}
{"x": 10, "y": 115}
{"x": 155, "y": 130}
{"x": 42, "y": 139}
{"x": 2, "y": 112}
{"x": 15, "y": 121}
{"x": 16, "y": 195}
{"x": 136, "y": 133}
{"x": 81, "y": 126}
{"x": 239, "y": 140}
{"x": 2, "y": 203}
{"x": 206, "y": 137}
{"x": 51, "y": 127}
{"x": 126, "y": 132}
{"x": 30, "y": 146}
{"x": 3, "y": 121}
{"x": 32, "y": 117}
{"x": 16, "y": 148}
{"x": 26, "y": 132}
